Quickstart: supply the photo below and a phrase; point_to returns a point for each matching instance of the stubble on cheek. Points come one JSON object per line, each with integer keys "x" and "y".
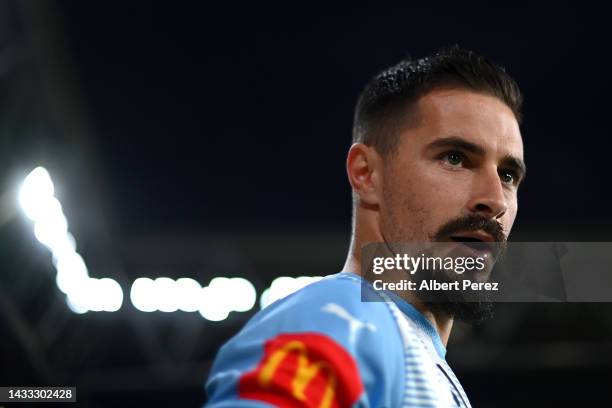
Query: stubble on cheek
{"x": 403, "y": 216}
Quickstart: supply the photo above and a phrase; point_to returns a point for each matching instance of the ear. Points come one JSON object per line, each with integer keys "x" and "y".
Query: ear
{"x": 363, "y": 166}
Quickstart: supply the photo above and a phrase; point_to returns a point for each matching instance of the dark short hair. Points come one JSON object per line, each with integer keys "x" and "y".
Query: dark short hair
{"x": 384, "y": 105}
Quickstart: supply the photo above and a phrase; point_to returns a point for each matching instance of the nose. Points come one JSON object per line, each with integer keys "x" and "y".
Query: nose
{"x": 488, "y": 198}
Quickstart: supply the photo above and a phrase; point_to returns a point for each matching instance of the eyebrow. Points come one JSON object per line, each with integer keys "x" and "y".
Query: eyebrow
{"x": 456, "y": 142}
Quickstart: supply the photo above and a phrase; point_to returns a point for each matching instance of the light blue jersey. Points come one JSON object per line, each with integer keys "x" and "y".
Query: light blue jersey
{"x": 324, "y": 347}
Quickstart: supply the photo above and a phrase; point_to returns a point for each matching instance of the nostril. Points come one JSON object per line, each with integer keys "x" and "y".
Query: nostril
{"x": 483, "y": 208}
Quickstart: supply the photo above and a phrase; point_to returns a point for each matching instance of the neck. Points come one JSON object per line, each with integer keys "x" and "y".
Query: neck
{"x": 440, "y": 321}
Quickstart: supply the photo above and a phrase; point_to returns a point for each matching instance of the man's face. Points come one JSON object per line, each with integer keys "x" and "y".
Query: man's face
{"x": 460, "y": 160}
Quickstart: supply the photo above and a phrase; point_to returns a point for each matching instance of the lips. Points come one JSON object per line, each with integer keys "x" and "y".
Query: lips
{"x": 472, "y": 236}
{"x": 478, "y": 243}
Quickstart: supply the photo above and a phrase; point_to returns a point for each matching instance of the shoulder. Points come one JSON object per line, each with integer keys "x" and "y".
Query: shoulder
{"x": 341, "y": 306}
{"x": 325, "y": 304}
{"x": 332, "y": 325}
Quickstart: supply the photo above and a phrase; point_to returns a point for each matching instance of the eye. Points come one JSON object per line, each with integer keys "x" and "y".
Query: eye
{"x": 508, "y": 176}
{"x": 455, "y": 159}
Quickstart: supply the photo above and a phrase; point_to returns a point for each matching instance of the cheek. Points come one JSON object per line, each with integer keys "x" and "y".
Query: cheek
{"x": 441, "y": 189}
{"x": 422, "y": 199}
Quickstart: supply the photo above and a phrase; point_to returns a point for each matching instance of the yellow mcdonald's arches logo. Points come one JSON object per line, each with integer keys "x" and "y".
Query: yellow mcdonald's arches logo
{"x": 305, "y": 372}
{"x": 307, "y": 369}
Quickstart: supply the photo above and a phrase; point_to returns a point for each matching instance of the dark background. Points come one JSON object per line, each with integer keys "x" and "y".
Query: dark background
{"x": 202, "y": 140}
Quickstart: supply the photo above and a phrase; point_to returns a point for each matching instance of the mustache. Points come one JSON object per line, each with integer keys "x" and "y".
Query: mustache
{"x": 471, "y": 222}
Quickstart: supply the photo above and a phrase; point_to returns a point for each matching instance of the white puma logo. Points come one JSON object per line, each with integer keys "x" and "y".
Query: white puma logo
{"x": 354, "y": 323}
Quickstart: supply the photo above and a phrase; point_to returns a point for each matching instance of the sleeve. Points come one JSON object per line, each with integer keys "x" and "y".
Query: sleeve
{"x": 320, "y": 347}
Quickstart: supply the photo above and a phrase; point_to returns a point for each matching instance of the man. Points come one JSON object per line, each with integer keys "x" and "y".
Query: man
{"x": 437, "y": 156}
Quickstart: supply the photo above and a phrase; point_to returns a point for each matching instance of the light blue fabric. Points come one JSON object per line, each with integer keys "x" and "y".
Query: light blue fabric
{"x": 327, "y": 307}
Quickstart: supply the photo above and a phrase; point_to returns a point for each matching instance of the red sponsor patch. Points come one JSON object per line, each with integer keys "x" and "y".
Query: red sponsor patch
{"x": 303, "y": 370}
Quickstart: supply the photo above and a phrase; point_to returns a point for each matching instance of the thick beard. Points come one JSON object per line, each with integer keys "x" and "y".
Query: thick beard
{"x": 474, "y": 312}
{"x": 479, "y": 309}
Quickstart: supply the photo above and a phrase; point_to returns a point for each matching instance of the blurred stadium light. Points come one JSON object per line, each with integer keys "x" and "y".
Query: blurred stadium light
{"x": 284, "y": 286}
{"x": 83, "y": 293}
{"x": 214, "y": 302}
